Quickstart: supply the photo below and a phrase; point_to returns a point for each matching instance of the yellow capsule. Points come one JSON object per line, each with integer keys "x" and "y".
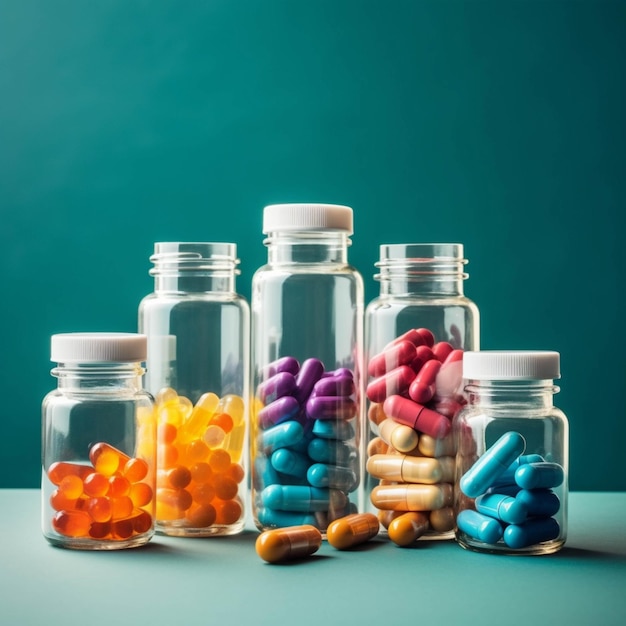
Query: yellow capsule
{"x": 285, "y": 544}
{"x": 412, "y": 497}
{"x": 194, "y": 426}
{"x": 399, "y": 436}
{"x": 407, "y": 528}
{"x": 429, "y": 446}
{"x": 352, "y": 530}
{"x": 408, "y": 469}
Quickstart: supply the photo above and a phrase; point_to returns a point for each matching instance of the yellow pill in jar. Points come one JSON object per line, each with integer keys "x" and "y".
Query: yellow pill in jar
{"x": 411, "y": 497}
{"x": 407, "y": 528}
{"x": 285, "y": 544}
{"x": 352, "y": 530}
{"x": 401, "y": 437}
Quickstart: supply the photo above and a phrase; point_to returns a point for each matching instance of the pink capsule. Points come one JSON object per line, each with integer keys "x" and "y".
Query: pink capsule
{"x": 411, "y": 335}
{"x": 449, "y": 381}
{"x": 394, "y": 382}
{"x": 423, "y": 354}
{"x": 441, "y": 350}
{"x": 417, "y": 416}
{"x": 422, "y": 389}
{"x": 453, "y": 357}
{"x": 401, "y": 353}
{"x": 427, "y": 337}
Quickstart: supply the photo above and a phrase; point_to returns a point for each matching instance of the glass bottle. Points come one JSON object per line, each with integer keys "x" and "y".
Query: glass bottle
{"x": 416, "y": 331}
{"x": 512, "y": 455}
{"x": 198, "y": 371}
{"x": 98, "y": 444}
{"x": 307, "y": 306}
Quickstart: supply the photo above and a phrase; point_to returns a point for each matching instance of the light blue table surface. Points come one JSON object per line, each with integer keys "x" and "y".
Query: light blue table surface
{"x": 222, "y": 580}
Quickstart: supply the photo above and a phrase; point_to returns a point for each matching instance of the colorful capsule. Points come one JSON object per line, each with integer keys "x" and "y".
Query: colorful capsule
{"x": 352, "y": 530}
{"x": 417, "y": 416}
{"x": 284, "y": 544}
{"x": 407, "y": 528}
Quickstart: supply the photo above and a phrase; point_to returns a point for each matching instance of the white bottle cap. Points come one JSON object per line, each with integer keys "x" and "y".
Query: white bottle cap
{"x": 307, "y": 217}
{"x": 98, "y": 348}
{"x": 511, "y": 365}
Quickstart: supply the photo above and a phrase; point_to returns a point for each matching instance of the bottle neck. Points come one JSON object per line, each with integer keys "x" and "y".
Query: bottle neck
{"x": 194, "y": 267}
{"x": 99, "y": 377}
{"x": 425, "y": 270}
{"x": 534, "y": 394}
{"x": 307, "y": 247}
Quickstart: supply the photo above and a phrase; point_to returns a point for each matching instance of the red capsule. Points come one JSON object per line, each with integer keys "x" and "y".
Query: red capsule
{"x": 417, "y": 416}
{"x": 422, "y": 389}
{"x": 401, "y": 353}
{"x": 428, "y": 339}
{"x": 394, "y": 382}
{"x": 423, "y": 354}
{"x": 441, "y": 350}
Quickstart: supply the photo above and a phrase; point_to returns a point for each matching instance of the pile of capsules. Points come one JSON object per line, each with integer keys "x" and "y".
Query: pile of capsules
{"x": 199, "y": 450}
{"x": 306, "y": 461}
{"x": 514, "y": 502}
{"x": 415, "y": 389}
{"x": 104, "y": 500}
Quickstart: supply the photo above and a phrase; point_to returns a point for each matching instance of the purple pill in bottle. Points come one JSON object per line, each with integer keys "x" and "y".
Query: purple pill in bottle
{"x": 284, "y": 364}
{"x": 279, "y": 411}
{"x": 334, "y": 386}
{"x": 310, "y": 372}
{"x": 277, "y": 386}
{"x": 330, "y": 407}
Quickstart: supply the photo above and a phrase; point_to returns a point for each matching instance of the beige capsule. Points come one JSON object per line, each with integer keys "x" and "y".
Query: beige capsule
{"x": 448, "y": 468}
{"x": 412, "y": 497}
{"x": 404, "y": 468}
{"x": 377, "y": 446}
{"x": 401, "y": 437}
{"x": 442, "y": 520}
{"x": 429, "y": 446}
{"x": 375, "y": 413}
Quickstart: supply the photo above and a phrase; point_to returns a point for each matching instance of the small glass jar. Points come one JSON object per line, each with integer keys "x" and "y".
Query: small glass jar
{"x": 98, "y": 444}
{"x": 512, "y": 455}
{"x": 307, "y": 307}
{"x": 416, "y": 331}
{"x": 198, "y": 370}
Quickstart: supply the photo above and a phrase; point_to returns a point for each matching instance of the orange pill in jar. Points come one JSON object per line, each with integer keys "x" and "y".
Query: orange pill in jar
{"x": 106, "y": 459}
{"x": 123, "y": 529}
{"x": 100, "y": 530}
{"x": 179, "y": 499}
{"x": 178, "y": 477}
{"x": 72, "y": 523}
{"x": 99, "y": 509}
{"x": 228, "y": 511}
{"x": 166, "y": 433}
{"x": 196, "y": 451}
{"x": 201, "y": 472}
{"x": 135, "y": 470}
{"x": 236, "y": 472}
{"x": 121, "y": 507}
{"x": 142, "y": 522}
{"x": 59, "y": 470}
{"x": 203, "y": 493}
{"x": 118, "y": 486}
{"x": 225, "y": 487}
{"x": 96, "y": 485}
{"x": 140, "y": 494}
{"x": 219, "y": 461}
{"x": 60, "y": 501}
{"x": 167, "y": 455}
{"x": 71, "y": 487}
{"x": 201, "y": 516}
{"x": 223, "y": 420}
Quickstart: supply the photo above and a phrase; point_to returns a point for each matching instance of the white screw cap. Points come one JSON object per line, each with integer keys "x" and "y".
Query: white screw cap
{"x": 98, "y": 348}
{"x": 307, "y": 217}
{"x": 511, "y": 365}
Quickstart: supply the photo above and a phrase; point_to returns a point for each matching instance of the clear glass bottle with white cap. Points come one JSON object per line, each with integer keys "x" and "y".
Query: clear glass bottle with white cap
{"x": 307, "y": 306}
{"x": 416, "y": 330}
{"x": 512, "y": 455}
{"x": 198, "y": 370}
{"x": 98, "y": 444}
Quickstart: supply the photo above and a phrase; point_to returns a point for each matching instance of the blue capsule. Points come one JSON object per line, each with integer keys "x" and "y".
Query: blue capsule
{"x": 539, "y": 475}
{"x": 331, "y": 451}
{"x": 502, "y": 507}
{"x": 539, "y": 502}
{"x": 532, "y": 532}
{"x": 321, "y": 475}
{"x": 492, "y": 464}
{"x": 289, "y": 462}
{"x": 508, "y": 476}
{"x": 330, "y": 429}
{"x": 478, "y": 526}
{"x": 281, "y": 519}
{"x": 264, "y": 474}
{"x": 281, "y": 436}
{"x": 295, "y": 498}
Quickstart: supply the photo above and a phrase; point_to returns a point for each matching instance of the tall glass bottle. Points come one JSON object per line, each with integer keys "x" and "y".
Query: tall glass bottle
{"x": 307, "y": 306}
{"x": 416, "y": 332}
{"x": 198, "y": 371}
{"x": 512, "y": 455}
{"x": 98, "y": 444}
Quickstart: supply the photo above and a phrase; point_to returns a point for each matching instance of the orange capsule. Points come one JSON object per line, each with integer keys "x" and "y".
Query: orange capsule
{"x": 72, "y": 523}
{"x": 100, "y": 530}
{"x": 99, "y": 509}
{"x": 352, "y": 530}
{"x": 142, "y": 521}
{"x": 196, "y": 451}
{"x": 386, "y": 517}
{"x": 227, "y": 511}
{"x": 223, "y": 420}
{"x": 71, "y": 486}
{"x": 166, "y": 433}
{"x": 96, "y": 485}
{"x": 407, "y": 528}
{"x": 442, "y": 520}
{"x": 106, "y": 459}
{"x": 201, "y": 472}
{"x": 225, "y": 487}
{"x": 140, "y": 494}
{"x": 167, "y": 455}
{"x": 203, "y": 493}
{"x": 59, "y": 470}
{"x": 285, "y": 544}
{"x": 201, "y": 516}
{"x": 236, "y": 472}
{"x": 178, "y": 477}
{"x": 118, "y": 486}
{"x": 121, "y": 507}
{"x": 135, "y": 470}
{"x": 60, "y": 502}
{"x": 123, "y": 528}
{"x": 219, "y": 461}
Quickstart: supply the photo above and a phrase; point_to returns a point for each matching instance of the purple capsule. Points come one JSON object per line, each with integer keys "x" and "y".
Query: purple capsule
{"x": 279, "y": 385}
{"x": 280, "y": 410}
{"x": 343, "y": 371}
{"x": 310, "y": 372}
{"x": 284, "y": 364}
{"x": 330, "y": 407}
{"x": 334, "y": 386}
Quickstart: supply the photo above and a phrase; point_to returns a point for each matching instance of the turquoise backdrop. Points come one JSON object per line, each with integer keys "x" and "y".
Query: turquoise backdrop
{"x": 497, "y": 124}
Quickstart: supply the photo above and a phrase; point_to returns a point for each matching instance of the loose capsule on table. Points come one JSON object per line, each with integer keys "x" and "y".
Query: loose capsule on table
{"x": 289, "y": 543}
{"x": 352, "y": 530}
{"x": 513, "y": 494}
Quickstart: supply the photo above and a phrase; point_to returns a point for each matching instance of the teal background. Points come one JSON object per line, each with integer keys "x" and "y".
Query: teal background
{"x": 496, "y": 124}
